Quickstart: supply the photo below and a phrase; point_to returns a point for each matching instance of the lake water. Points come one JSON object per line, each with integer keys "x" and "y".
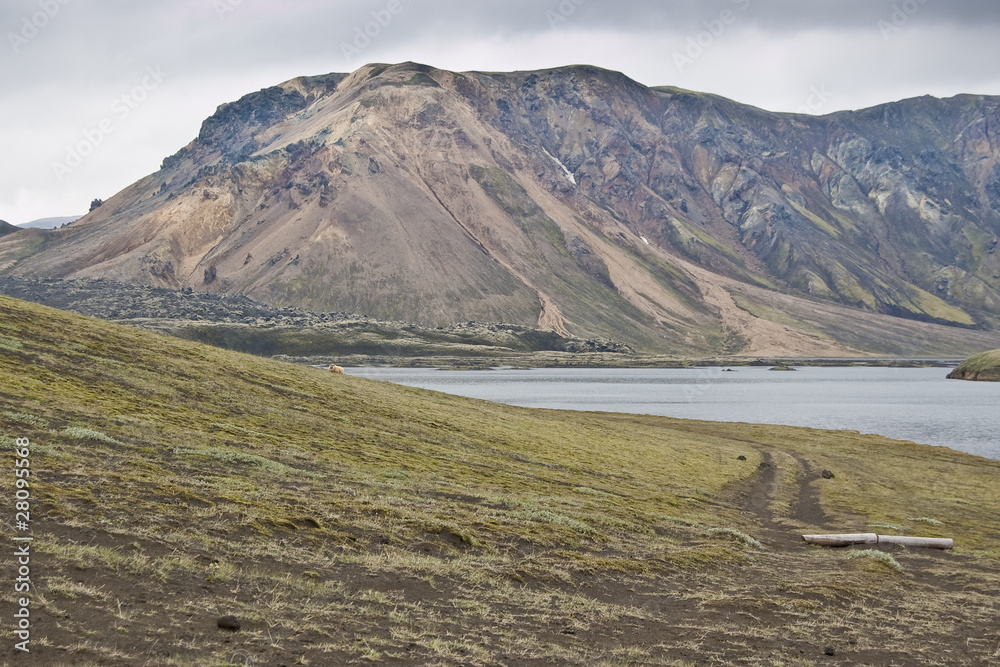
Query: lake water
{"x": 916, "y": 404}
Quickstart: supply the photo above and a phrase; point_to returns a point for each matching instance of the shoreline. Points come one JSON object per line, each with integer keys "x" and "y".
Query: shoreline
{"x": 588, "y": 361}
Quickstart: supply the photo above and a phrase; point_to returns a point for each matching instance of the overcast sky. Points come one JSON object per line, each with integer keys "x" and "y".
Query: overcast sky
{"x": 129, "y": 82}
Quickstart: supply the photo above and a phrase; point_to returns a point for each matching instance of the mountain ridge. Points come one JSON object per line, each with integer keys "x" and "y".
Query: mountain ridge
{"x": 7, "y": 228}
{"x": 574, "y": 199}
{"x": 50, "y": 223}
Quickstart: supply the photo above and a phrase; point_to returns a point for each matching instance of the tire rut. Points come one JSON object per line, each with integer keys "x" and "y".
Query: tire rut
{"x": 755, "y": 495}
{"x": 808, "y": 508}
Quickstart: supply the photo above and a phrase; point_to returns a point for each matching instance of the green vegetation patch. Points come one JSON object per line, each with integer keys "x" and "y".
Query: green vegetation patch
{"x": 515, "y": 202}
{"x": 9, "y": 345}
{"x": 765, "y": 312}
{"x": 88, "y": 434}
{"x": 983, "y": 366}
{"x": 877, "y": 556}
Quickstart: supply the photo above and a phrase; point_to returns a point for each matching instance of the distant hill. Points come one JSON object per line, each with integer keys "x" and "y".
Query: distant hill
{"x": 984, "y": 367}
{"x": 50, "y": 223}
{"x": 7, "y": 228}
{"x": 572, "y": 199}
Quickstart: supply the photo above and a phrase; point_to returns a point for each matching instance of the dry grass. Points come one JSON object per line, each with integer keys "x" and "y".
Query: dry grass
{"x": 347, "y": 521}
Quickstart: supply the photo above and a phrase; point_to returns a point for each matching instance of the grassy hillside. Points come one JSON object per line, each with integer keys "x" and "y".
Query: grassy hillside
{"x": 984, "y": 366}
{"x": 347, "y": 521}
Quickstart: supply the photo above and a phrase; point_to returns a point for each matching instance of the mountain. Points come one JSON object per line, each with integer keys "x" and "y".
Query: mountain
{"x": 574, "y": 199}
{"x": 7, "y": 228}
{"x": 50, "y": 223}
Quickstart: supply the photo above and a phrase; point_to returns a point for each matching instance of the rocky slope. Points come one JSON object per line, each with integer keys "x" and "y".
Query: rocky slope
{"x": 238, "y": 323}
{"x": 574, "y": 199}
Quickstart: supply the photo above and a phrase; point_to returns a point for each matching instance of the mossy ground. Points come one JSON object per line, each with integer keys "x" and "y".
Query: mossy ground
{"x": 984, "y": 366}
{"x": 348, "y": 521}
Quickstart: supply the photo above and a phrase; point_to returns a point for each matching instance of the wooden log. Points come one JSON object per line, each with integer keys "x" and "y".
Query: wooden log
{"x": 926, "y": 542}
{"x": 847, "y": 539}
{"x": 842, "y": 539}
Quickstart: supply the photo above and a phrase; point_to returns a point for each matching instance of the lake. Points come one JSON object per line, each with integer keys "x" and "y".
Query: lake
{"x": 916, "y": 404}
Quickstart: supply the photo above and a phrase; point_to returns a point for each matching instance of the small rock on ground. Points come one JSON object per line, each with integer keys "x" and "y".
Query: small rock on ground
{"x": 228, "y": 623}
